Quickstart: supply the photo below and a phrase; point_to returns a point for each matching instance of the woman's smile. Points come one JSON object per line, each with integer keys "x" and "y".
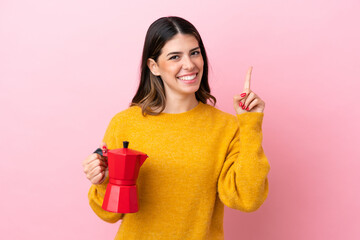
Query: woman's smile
{"x": 188, "y": 79}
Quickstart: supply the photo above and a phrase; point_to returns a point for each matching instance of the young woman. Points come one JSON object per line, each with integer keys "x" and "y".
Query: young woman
{"x": 200, "y": 158}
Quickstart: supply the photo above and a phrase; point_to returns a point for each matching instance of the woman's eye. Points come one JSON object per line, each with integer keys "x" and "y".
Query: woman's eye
{"x": 177, "y": 56}
{"x": 174, "y": 57}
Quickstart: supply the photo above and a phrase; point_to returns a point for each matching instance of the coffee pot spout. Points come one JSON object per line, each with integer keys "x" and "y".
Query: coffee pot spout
{"x": 142, "y": 159}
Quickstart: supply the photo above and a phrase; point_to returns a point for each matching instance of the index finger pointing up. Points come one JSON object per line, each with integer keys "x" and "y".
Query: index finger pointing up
{"x": 248, "y": 78}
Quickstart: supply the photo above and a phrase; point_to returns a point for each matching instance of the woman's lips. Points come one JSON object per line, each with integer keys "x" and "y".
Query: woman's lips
{"x": 189, "y": 74}
{"x": 189, "y": 81}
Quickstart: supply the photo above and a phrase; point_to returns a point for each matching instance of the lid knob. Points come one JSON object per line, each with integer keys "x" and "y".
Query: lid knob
{"x": 125, "y": 144}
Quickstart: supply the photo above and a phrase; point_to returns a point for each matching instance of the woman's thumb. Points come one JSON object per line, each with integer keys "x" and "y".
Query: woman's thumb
{"x": 103, "y": 146}
{"x": 104, "y": 149}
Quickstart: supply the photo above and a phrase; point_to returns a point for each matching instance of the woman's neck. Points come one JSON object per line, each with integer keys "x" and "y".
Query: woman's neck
{"x": 180, "y": 105}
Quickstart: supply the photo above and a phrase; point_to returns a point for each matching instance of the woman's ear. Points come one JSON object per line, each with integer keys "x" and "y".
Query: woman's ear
{"x": 153, "y": 66}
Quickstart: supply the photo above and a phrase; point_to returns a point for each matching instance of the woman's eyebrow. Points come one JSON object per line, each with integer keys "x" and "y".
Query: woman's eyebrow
{"x": 181, "y": 52}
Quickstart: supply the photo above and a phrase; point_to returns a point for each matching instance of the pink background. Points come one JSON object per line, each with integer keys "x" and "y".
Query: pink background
{"x": 67, "y": 67}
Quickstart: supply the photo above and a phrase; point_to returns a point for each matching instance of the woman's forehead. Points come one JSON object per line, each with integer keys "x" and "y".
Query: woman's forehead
{"x": 181, "y": 42}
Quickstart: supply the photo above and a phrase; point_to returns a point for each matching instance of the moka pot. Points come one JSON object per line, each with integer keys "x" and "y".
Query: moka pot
{"x": 121, "y": 193}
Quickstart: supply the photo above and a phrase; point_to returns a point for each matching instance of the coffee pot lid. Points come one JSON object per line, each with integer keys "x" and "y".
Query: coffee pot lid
{"x": 125, "y": 150}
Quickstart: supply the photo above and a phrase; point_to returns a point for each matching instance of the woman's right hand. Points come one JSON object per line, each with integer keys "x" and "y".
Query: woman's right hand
{"x": 95, "y": 167}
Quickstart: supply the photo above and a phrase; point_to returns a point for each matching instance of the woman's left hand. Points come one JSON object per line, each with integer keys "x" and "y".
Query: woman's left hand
{"x": 248, "y": 101}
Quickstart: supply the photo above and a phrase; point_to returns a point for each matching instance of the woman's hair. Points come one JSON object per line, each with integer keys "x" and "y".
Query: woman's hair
{"x": 151, "y": 91}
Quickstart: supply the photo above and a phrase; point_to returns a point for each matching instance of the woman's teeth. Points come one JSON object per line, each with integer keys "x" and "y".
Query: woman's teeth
{"x": 187, "y": 78}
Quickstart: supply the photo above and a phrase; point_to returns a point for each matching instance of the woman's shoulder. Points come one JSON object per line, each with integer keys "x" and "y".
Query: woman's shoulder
{"x": 219, "y": 114}
{"x": 126, "y": 113}
{"x": 219, "y": 119}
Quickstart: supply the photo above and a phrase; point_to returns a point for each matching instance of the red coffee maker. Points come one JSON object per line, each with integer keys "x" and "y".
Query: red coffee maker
{"x": 121, "y": 193}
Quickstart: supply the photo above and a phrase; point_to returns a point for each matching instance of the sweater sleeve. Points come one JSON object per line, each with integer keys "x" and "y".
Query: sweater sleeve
{"x": 243, "y": 182}
{"x": 97, "y": 191}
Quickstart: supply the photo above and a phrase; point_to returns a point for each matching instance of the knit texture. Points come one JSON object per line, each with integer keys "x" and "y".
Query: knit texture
{"x": 198, "y": 161}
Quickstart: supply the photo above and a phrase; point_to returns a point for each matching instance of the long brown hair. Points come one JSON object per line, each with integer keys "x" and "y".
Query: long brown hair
{"x": 151, "y": 91}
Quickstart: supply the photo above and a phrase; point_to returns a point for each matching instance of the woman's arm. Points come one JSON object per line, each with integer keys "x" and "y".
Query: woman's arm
{"x": 243, "y": 182}
{"x": 97, "y": 191}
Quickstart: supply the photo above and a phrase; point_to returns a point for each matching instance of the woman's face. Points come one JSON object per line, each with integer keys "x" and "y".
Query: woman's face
{"x": 180, "y": 65}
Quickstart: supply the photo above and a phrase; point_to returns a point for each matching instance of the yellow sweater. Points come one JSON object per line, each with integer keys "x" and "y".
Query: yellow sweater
{"x": 198, "y": 161}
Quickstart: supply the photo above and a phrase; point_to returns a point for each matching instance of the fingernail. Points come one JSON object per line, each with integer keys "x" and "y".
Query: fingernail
{"x": 247, "y": 108}
{"x": 240, "y": 104}
{"x": 243, "y": 94}
{"x": 104, "y": 149}
{"x": 243, "y": 107}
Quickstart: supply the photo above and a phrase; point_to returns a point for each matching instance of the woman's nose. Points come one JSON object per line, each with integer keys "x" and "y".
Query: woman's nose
{"x": 188, "y": 63}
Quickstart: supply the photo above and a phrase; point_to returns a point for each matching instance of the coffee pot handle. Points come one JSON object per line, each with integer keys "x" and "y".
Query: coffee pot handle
{"x": 102, "y": 152}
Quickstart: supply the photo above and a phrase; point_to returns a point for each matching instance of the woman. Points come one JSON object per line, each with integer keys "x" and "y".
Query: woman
{"x": 200, "y": 158}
